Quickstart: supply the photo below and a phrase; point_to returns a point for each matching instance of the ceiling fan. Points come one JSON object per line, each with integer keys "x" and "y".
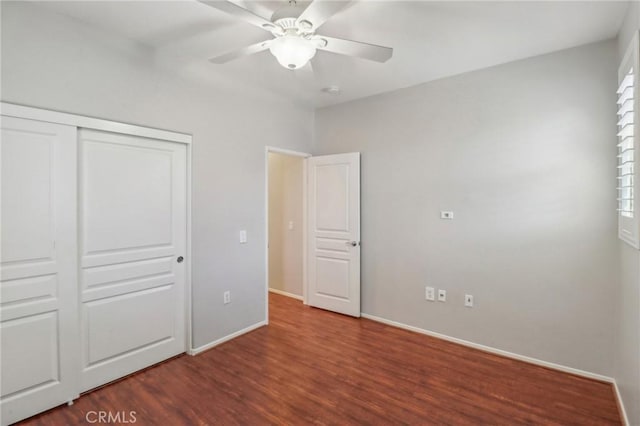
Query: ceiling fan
{"x": 294, "y": 29}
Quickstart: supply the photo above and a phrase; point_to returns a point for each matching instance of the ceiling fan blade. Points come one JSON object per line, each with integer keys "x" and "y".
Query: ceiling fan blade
{"x": 355, "y": 48}
{"x": 319, "y": 11}
{"x": 245, "y": 51}
{"x": 241, "y": 13}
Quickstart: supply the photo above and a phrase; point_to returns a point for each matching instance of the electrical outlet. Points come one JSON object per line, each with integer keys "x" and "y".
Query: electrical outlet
{"x": 446, "y": 215}
{"x": 227, "y": 297}
{"x": 468, "y": 300}
{"x": 442, "y": 295}
{"x": 290, "y": 225}
{"x": 430, "y": 294}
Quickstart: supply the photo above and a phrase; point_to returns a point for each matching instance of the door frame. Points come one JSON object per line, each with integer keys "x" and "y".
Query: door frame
{"x": 80, "y": 121}
{"x": 304, "y": 156}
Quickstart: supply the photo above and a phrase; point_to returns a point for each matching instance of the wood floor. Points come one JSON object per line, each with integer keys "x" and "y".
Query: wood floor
{"x": 315, "y": 367}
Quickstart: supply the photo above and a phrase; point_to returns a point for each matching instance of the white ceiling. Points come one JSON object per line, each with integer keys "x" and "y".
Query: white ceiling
{"x": 431, "y": 39}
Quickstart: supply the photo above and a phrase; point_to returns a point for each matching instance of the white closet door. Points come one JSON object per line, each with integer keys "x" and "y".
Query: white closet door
{"x": 132, "y": 235}
{"x": 38, "y": 269}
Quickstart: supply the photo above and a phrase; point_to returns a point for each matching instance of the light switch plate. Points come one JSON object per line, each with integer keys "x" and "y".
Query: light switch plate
{"x": 468, "y": 300}
{"x": 442, "y": 295}
{"x": 243, "y": 237}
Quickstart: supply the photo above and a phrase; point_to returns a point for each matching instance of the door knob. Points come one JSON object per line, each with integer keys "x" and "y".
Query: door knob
{"x": 180, "y": 259}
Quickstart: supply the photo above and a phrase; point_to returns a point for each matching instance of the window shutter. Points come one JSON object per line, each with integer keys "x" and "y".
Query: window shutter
{"x": 627, "y": 93}
{"x": 626, "y": 155}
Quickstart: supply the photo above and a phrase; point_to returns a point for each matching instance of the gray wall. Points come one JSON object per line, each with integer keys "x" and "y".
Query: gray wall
{"x": 54, "y": 62}
{"x": 524, "y": 154}
{"x": 285, "y": 206}
{"x": 627, "y": 343}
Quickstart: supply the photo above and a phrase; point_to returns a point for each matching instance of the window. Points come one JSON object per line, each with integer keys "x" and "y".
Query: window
{"x": 628, "y": 216}
{"x": 625, "y": 146}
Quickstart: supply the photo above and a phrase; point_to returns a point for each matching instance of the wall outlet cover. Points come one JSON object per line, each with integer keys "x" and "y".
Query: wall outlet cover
{"x": 430, "y": 294}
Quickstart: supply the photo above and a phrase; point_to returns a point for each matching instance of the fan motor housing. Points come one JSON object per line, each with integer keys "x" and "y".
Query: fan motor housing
{"x": 287, "y": 23}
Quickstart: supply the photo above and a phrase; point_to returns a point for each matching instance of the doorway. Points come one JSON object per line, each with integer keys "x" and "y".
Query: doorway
{"x": 313, "y": 229}
{"x": 285, "y": 222}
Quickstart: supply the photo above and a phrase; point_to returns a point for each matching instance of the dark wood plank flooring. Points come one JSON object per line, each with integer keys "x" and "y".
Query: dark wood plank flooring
{"x": 315, "y": 367}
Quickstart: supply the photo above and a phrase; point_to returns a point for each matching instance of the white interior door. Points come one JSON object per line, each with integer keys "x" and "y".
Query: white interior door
{"x": 38, "y": 264}
{"x": 334, "y": 233}
{"x": 132, "y": 235}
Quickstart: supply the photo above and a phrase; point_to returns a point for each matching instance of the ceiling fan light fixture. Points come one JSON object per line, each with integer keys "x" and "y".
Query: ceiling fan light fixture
{"x": 292, "y": 51}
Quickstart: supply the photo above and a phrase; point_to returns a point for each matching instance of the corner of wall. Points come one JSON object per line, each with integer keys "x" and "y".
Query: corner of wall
{"x": 630, "y": 25}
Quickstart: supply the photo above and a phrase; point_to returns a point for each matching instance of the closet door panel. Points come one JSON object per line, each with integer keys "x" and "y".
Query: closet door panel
{"x": 150, "y": 311}
{"x": 38, "y": 264}
{"x": 33, "y": 363}
{"x": 133, "y": 229}
{"x": 127, "y": 202}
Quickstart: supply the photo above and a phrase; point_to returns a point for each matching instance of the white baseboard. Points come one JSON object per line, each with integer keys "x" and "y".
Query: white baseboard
{"x": 215, "y": 343}
{"x": 623, "y": 412}
{"x": 285, "y": 293}
{"x": 492, "y": 350}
